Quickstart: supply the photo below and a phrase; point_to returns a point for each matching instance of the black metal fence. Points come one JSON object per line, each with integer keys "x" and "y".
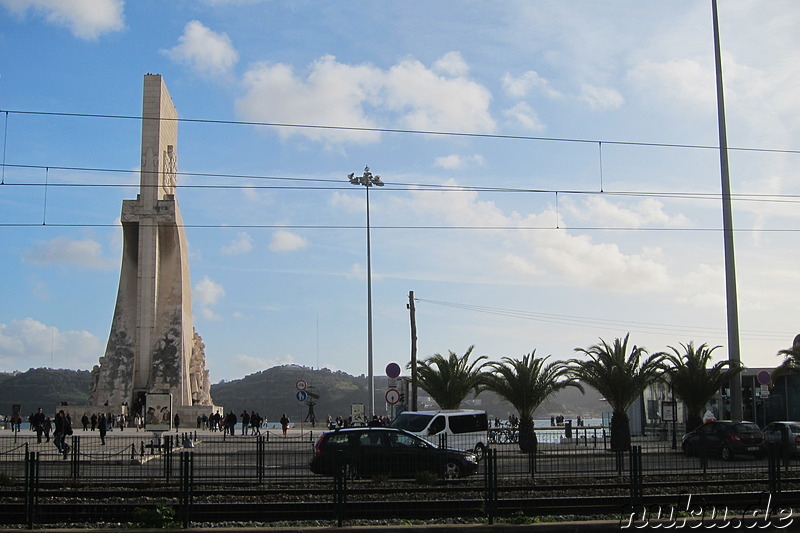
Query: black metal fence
{"x": 210, "y": 476}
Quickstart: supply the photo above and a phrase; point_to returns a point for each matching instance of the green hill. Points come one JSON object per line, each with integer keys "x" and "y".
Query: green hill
{"x": 271, "y": 392}
{"x": 42, "y": 387}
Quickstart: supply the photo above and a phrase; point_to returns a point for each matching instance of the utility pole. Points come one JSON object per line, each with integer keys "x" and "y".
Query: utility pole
{"x": 412, "y": 312}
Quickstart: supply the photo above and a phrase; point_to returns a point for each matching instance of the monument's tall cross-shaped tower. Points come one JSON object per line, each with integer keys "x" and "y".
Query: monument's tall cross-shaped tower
{"x": 152, "y": 346}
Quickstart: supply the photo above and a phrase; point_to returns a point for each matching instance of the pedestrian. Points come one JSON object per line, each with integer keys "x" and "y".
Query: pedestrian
{"x": 255, "y": 422}
{"x": 58, "y": 434}
{"x": 230, "y": 423}
{"x": 48, "y": 427}
{"x": 284, "y": 423}
{"x": 245, "y": 422}
{"x": 63, "y": 430}
{"x": 102, "y": 426}
{"x": 37, "y": 420}
{"x": 176, "y": 421}
{"x": 93, "y": 421}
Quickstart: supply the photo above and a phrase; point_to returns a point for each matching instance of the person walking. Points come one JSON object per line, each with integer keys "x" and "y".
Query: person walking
{"x": 63, "y": 430}
{"x": 37, "y": 420}
{"x": 176, "y": 421}
{"x": 48, "y": 427}
{"x": 102, "y": 426}
{"x": 245, "y": 422}
{"x": 284, "y": 423}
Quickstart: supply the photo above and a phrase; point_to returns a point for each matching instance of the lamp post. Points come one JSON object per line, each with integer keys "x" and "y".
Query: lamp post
{"x": 368, "y": 179}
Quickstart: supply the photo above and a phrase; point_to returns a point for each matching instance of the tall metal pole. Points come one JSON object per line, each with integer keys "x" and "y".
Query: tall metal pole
{"x": 368, "y": 180}
{"x": 727, "y": 225}
{"x": 370, "y": 369}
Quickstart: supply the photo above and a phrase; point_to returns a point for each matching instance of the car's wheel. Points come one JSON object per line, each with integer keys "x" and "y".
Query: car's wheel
{"x": 480, "y": 450}
{"x": 726, "y": 453}
{"x": 452, "y": 470}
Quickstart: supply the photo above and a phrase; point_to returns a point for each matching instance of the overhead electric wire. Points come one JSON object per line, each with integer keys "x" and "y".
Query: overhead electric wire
{"x": 397, "y": 130}
{"x": 600, "y": 323}
{"x": 337, "y": 184}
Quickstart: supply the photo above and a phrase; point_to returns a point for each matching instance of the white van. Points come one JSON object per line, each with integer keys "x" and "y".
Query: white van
{"x": 465, "y": 429}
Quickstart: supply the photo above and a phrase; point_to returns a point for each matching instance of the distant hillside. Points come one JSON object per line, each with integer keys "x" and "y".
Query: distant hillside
{"x": 43, "y": 387}
{"x": 271, "y": 392}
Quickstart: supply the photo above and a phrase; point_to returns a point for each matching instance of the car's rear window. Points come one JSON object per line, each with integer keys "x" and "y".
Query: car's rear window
{"x": 747, "y": 428}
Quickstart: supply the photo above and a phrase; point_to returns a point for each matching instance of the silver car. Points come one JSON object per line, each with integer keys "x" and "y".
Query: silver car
{"x": 786, "y": 432}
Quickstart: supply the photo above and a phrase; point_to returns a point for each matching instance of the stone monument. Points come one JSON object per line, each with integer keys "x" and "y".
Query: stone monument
{"x": 152, "y": 346}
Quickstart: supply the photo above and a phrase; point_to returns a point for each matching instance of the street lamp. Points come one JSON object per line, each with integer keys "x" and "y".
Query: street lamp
{"x": 368, "y": 179}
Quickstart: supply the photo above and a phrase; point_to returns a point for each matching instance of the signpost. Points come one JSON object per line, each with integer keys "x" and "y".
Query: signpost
{"x": 392, "y": 396}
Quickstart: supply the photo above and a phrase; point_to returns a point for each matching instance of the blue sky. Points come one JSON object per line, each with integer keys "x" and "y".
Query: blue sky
{"x": 583, "y": 205}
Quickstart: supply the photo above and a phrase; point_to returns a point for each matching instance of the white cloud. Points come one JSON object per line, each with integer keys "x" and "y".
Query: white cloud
{"x": 85, "y": 19}
{"x": 451, "y": 64}
{"x": 455, "y": 161}
{"x": 207, "y": 52}
{"x": 207, "y": 291}
{"x": 426, "y": 101}
{"x": 602, "y": 212}
{"x": 63, "y": 251}
{"x": 241, "y": 245}
{"x": 28, "y": 343}
{"x": 600, "y": 98}
{"x": 525, "y": 116}
{"x": 338, "y": 94}
{"x": 530, "y": 81}
{"x": 286, "y": 241}
{"x": 683, "y": 80}
{"x": 556, "y": 256}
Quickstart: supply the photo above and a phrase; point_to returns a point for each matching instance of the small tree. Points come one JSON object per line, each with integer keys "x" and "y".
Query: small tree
{"x": 450, "y": 379}
{"x": 526, "y": 383}
{"x": 620, "y": 376}
{"x": 693, "y": 382}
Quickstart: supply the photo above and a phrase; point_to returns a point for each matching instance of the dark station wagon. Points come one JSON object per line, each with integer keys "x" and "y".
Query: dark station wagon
{"x": 373, "y": 451}
{"x": 726, "y": 439}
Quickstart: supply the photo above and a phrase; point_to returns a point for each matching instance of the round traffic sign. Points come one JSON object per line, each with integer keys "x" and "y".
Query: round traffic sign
{"x": 301, "y": 384}
{"x": 301, "y": 395}
{"x": 764, "y": 377}
{"x": 392, "y": 396}
{"x": 393, "y": 370}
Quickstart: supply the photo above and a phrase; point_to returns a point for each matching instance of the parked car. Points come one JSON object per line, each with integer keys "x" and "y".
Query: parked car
{"x": 784, "y": 433}
{"x": 371, "y": 451}
{"x": 726, "y": 439}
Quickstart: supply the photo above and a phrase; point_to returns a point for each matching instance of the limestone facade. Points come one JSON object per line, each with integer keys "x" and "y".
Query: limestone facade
{"x": 152, "y": 345}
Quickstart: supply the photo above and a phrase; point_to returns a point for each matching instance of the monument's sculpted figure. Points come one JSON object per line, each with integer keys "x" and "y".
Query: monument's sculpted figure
{"x": 152, "y": 346}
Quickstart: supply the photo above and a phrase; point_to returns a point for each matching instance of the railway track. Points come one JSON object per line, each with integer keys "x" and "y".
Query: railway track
{"x": 367, "y": 502}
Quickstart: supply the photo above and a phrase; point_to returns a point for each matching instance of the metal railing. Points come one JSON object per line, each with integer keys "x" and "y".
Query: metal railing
{"x": 175, "y": 468}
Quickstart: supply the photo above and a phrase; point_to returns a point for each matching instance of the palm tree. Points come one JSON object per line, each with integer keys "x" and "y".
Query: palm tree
{"x": 526, "y": 383}
{"x": 791, "y": 363}
{"x": 693, "y": 382}
{"x": 449, "y": 380}
{"x": 620, "y": 377}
